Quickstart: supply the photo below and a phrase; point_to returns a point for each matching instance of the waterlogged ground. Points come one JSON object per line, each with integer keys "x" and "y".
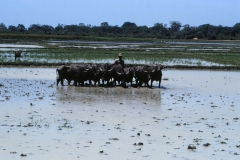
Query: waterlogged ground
{"x": 44, "y": 58}
{"x": 41, "y": 121}
{"x": 166, "y": 53}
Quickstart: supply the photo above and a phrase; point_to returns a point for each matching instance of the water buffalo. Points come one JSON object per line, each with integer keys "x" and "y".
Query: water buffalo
{"x": 17, "y": 54}
{"x": 126, "y": 76}
{"x": 78, "y": 73}
{"x": 85, "y": 72}
{"x": 106, "y": 75}
{"x": 155, "y": 73}
{"x": 92, "y": 73}
{"x": 63, "y": 73}
{"x": 117, "y": 73}
{"x": 97, "y": 74}
{"x": 141, "y": 75}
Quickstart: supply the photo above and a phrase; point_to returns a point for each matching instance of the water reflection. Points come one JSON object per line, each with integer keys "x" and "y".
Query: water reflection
{"x": 98, "y": 95}
{"x": 19, "y": 46}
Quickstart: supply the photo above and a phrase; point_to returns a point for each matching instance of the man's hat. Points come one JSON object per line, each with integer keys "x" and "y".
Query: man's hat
{"x": 120, "y": 55}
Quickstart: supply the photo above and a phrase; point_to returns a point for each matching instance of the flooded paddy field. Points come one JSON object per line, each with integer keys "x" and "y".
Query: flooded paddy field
{"x": 190, "y": 53}
{"x": 194, "y": 115}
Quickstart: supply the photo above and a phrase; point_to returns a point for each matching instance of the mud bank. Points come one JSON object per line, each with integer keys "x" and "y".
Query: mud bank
{"x": 39, "y": 120}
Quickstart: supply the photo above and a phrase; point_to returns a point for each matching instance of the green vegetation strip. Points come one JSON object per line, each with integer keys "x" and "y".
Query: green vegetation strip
{"x": 88, "y": 54}
{"x": 224, "y": 53}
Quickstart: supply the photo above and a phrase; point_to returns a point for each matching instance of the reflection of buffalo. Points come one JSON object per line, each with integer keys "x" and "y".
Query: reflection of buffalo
{"x": 17, "y": 54}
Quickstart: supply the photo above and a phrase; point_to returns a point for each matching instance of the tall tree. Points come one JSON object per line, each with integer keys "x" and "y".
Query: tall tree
{"x": 129, "y": 29}
{"x": 47, "y": 29}
{"x": 129, "y": 25}
{"x": 236, "y": 30}
{"x": 59, "y": 29}
{"x": 104, "y": 24}
{"x": 3, "y": 27}
{"x": 12, "y": 29}
{"x": 188, "y": 32}
{"x": 159, "y": 30}
{"x": 21, "y": 28}
{"x": 175, "y": 26}
{"x": 35, "y": 29}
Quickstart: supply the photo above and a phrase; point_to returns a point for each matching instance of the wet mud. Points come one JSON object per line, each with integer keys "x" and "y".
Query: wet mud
{"x": 194, "y": 115}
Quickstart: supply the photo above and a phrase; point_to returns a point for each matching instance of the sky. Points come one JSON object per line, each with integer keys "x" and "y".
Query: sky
{"x": 116, "y": 12}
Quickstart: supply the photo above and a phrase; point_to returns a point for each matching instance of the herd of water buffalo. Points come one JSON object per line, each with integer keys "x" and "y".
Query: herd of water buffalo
{"x": 109, "y": 73}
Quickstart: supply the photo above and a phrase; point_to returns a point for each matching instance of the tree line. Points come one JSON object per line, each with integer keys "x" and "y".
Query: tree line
{"x": 129, "y": 29}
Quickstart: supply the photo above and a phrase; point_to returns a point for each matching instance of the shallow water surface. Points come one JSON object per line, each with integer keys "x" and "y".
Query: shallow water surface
{"x": 47, "y": 58}
{"x": 18, "y": 46}
{"x": 45, "y": 121}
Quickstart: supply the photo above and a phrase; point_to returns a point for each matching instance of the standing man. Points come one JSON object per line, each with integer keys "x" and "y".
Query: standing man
{"x": 119, "y": 60}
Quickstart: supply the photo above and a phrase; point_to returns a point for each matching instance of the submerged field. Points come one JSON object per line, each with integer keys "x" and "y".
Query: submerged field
{"x": 39, "y": 120}
{"x": 193, "y": 108}
{"x": 173, "y": 54}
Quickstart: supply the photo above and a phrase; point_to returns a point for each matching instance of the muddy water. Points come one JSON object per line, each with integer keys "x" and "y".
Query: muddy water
{"x": 41, "y": 121}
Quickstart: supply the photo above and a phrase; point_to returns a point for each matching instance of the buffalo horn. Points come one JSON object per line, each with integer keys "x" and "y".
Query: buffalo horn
{"x": 128, "y": 71}
{"x": 110, "y": 70}
{"x": 119, "y": 73}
